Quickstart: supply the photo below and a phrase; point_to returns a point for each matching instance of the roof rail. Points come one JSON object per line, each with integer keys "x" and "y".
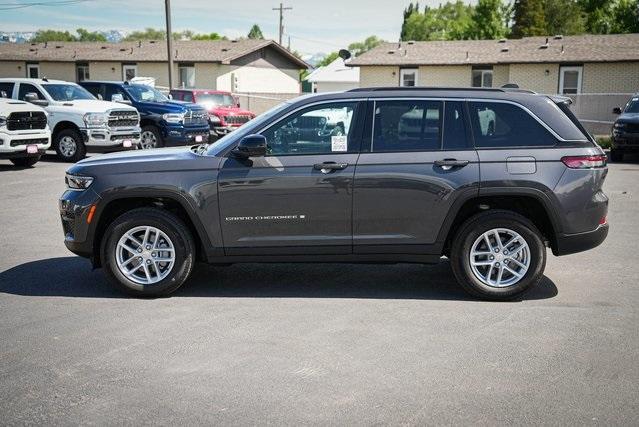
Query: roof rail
{"x": 466, "y": 89}
{"x": 391, "y": 88}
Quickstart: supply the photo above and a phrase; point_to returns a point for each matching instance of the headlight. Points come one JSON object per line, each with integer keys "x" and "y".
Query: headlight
{"x": 3, "y": 121}
{"x": 214, "y": 119}
{"x": 173, "y": 117}
{"x": 76, "y": 182}
{"x": 96, "y": 119}
{"x": 619, "y": 125}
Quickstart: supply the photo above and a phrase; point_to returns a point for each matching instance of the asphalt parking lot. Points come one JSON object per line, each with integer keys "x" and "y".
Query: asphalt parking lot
{"x": 312, "y": 344}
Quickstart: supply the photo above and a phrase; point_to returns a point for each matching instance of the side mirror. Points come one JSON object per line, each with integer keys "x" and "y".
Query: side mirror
{"x": 100, "y": 97}
{"x": 32, "y": 98}
{"x": 118, "y": 97}
{"x": 170, "y": 96}
{"x": 616, "y": 110}
{"x": 250, "y": 146}
{"x": 3, "y": 94}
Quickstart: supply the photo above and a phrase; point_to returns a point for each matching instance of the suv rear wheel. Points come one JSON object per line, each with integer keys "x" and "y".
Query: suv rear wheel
{"x": 148, "y": 252}
{"x": 498, "y": 255}
{"x": 69, "y": 146}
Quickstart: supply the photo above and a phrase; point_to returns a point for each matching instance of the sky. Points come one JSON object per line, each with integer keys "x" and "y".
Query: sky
{"x": 314, "y": 25}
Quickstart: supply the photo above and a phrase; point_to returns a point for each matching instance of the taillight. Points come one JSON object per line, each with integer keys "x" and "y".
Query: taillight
{"x": 585, "y": 162}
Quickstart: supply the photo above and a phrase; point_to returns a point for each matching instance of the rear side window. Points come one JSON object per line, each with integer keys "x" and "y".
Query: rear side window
{"x": 497, "y": 124}
{"x": 407, "y": 126}
{"x": 6, "y": 89}
{"x": 455, "y": 135}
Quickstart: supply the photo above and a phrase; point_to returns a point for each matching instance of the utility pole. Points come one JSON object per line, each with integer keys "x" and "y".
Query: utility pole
{"x": 169, "y": 40}
{"x": 282, "y": 9}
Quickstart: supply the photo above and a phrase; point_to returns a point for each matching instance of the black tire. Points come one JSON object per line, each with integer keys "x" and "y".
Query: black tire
{"x": 25, "y": 162}
{"x": 168, "y": 223}
{"x": 616, "y": 156}
{"x": 159, "y": 141}
{"x": 477, "y": 225}
{"x": 75, "y": 136}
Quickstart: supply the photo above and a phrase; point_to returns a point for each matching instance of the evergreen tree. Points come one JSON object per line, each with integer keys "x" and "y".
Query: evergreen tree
{"x": 529, "y": 18}
{"x": 408, "y": 11}
{"x": 255, "y": 33}
{"x": 564, "y": 17}
{"x": 488, "y": 21}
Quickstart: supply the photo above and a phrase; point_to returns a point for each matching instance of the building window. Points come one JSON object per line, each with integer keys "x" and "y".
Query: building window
{"x": 570, "y": 80}
{"x": 408, "y": 77}
{"x": 482, "y": 77}
{"x": 82, "y": 72}
{"x": 129, "y": 71}
{"x": 33, "y": 71}
{"x": 187, "y": 75}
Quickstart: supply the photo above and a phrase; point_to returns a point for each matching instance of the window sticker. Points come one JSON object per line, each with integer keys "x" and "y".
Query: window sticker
{"x": 339, "y": 143}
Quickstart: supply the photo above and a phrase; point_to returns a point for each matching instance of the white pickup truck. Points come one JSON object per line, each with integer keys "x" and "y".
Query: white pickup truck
{"x": 24, "y": 132}
{"x": 78, "y": 121}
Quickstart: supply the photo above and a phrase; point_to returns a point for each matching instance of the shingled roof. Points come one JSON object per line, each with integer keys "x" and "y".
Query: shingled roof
{"x": 220, "y": 51}
{"x": 587, "y": 48}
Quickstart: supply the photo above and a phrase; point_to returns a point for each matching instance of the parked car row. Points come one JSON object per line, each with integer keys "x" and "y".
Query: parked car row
{"x": 104, "y": 116}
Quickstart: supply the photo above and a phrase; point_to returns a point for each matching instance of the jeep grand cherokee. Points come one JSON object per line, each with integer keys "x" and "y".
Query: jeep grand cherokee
{"x": 486, "y": 177}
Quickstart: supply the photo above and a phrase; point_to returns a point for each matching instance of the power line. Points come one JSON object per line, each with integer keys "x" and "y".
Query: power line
{"x": 14, "y": 6}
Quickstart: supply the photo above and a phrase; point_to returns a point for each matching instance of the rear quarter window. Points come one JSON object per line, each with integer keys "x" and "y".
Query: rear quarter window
{"x": 500, "y": 124}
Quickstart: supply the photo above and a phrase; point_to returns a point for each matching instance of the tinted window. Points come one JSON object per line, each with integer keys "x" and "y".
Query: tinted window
{"x": 187, "y": 96}
{"x": 320, "y": 129}
{"x": 407, "y": 126}
{"x": 66, "y": 92}
{"x": 6, "y": 90}
{"x": 455, "y": 136}
{"x": 28, "y": 88}
{"x": 110, "y": 90}
{"x": 497, "y": 124}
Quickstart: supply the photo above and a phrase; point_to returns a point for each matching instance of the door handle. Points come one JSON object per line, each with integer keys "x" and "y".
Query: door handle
{"x": 448, "y": 164}
{"x": 328, "y": 167}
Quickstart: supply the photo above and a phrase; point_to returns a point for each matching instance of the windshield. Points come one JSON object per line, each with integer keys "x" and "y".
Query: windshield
{"x": 223, "y": 143}
{"x": 633, "y": 106}
{"x": 143, "y": 93}
{"x": 215, "y": 99}
{"x": 67, "y": 92}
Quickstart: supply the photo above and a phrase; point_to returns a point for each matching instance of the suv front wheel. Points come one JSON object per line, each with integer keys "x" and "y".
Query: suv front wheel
{"x": 148, "y": 252}
{"x": 498, "y": 255}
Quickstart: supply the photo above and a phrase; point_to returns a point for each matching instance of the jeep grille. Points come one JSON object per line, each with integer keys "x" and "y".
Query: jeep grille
{"x": 237, "y": 120}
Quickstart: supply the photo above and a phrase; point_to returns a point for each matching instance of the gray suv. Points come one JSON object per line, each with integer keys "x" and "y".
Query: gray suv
{"x": 486, "y": 177}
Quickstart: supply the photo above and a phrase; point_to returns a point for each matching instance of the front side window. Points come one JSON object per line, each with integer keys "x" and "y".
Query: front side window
{"x": 632, "y": 106}
{"x": 482, "y": 77}
{"x": 407, "y": 126}
{"x": 142, "y": 93}
{"x": 498, "y": 124}
{"x": 26, "y": 88}
{"x": 408, "y": 77}
{"x": 6, "y": 89}
{"x": 110, "y": 90}
{"x": 570, "y": 80}
{"x": 187, "y": 75}
{"x": 66, "y": 92}
{"x": 319, "y": 129}
{"x": 129, "y": 72}
{"x": 187, "y": 96}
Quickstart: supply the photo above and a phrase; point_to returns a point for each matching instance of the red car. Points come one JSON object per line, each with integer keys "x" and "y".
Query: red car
{"x": 225, "y": 114}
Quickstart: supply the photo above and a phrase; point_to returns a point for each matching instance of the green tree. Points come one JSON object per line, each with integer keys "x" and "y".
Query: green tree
{"x": 328, "y": 59}
{"x": 564, "y": 17}
{"x": 255, "y": 33}
{"x": 408, "y": 11}
{"x": 89, "y": 36}
{"x": 450, "y": 21}
{"x": 369, "y": 43}
{"x": 52, "y": 35}
{"x": 147, "y": 34}
{"x": 529, "y": 18}
{"x": 210, "y": 36}
{"x": 626, "y": 17}
{"x": 488, "y": 20}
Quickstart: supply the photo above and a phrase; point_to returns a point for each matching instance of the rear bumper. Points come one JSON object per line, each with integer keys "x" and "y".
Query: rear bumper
{"x": 573, "y": 243}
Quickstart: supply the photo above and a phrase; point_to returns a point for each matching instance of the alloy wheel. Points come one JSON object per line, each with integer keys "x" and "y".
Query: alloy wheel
{"x": 148, "y": 140}
{"x": 500, "y": 257}
{"x": 68, "y": 146}
{"x": 145, "y": 255}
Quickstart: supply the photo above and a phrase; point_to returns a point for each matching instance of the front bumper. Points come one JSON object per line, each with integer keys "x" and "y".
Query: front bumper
{"x": 14, "y": 144}
{"x": 573, "y": 243}
{"x": 179, "y": 135}
{"x": 74, "y": 209}
{"x": 111, "y": 138}
{"x": 218, "y": 129}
